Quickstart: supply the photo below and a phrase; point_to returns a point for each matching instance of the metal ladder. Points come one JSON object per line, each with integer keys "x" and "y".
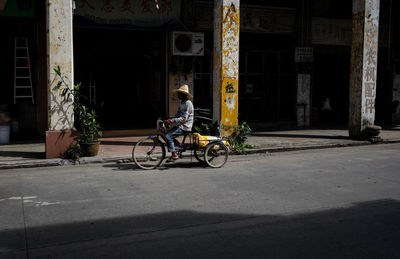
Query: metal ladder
{"x": 22, "y": 70}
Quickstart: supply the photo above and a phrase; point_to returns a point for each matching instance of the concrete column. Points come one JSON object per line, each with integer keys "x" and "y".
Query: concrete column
{"x": 226, "y": 64}
{"x": 59, "y": 53}
{"x": 364, "y": 64}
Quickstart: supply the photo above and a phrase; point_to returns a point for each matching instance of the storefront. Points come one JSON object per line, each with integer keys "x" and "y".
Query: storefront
{"x": 123, "y": 75}
{"x": 288, "y": 58}
{"x": 23, "y": 67}
{"x": 267, "y": 72}
{"x": 120, "y": 56}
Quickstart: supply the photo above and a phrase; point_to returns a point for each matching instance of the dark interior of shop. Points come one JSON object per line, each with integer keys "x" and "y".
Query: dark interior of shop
{"x": 23, "y": 112}
{"x": 122, "y": 75}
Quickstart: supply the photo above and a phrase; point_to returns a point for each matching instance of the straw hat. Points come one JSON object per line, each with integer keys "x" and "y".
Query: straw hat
{"x": 183, "y": 89}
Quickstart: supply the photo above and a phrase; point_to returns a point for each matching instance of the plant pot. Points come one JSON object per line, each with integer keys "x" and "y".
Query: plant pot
{"x": 90, "y": 149}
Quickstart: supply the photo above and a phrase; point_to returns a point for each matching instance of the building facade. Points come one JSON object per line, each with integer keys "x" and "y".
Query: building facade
{"x": 269, "y": 63}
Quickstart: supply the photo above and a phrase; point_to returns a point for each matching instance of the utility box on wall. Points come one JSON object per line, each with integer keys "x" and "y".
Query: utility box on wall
{"x": 187, "y": 43}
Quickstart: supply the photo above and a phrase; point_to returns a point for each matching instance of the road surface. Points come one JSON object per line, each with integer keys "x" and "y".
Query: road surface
{"x": 329, "y": 203}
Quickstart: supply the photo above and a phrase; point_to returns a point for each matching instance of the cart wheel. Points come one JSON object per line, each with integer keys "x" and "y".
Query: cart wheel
{"x": 216, "y": 154}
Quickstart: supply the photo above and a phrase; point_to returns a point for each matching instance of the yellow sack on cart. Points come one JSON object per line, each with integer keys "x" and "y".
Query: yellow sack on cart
{"x": 202, "y": 141}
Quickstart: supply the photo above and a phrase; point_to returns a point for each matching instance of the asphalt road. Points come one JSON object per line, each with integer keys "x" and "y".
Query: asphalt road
{"x": 330, "y": 203}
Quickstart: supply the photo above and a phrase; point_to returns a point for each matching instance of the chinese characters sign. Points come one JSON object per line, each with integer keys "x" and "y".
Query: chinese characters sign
{"x": 304, "y": 54}
{"x": 370, "y": 63}
{"x": 229, "y": 105}
{"x": 252, "y": 18}
{"x": 129, "y": 12}
{"x": 331, "y": 31}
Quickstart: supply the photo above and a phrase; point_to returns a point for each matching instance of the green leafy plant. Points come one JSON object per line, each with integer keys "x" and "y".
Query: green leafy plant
{"x": 209, "y": 129}
{"x": 85, "y": 119}
{"x": 88, "y": 127}
{"x": 238, "y": 138}
{"x": 74, "y": 152}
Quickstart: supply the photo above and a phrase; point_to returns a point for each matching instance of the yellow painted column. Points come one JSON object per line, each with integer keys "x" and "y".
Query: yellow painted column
{"x": 226, "y": 64}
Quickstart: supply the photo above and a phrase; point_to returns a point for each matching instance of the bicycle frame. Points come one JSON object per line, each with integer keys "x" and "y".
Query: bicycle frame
{"x": 182, "y": 147}
{"x": 162, "y": 130}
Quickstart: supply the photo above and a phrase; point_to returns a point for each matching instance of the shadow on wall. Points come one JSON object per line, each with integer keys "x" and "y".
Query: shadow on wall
{"x": 364, "y": 230}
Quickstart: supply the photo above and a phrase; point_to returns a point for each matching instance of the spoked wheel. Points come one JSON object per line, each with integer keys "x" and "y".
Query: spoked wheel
{"x": 216, "y": 154}
{"x": 148, "y": 153}
{"x": 199, "y": 155}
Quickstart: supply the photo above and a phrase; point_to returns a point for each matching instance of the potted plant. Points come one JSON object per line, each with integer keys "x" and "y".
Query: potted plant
{"x": 89, "y": 130}
{"x": 85, "y": 119}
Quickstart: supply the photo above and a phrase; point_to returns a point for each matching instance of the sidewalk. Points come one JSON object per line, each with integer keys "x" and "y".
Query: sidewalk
{"x": 113, "y": 149}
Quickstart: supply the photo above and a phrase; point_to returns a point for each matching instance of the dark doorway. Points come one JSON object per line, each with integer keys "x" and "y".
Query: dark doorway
{"x": 267, "y": 86}
{"x": 331, "y": 81}
{"x": 203, "y": 75}
{"x": 127, "y": 69}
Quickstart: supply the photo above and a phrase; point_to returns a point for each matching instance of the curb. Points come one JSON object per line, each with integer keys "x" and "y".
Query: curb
{"x": 110, "y": 159}
{"x": 324, "y": 146}
{"x": 59, "y": 162}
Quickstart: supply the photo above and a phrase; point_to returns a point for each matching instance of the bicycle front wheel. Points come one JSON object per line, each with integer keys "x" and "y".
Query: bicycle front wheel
{"x": 148, "y": 153}
{"x": 216, "y": 154}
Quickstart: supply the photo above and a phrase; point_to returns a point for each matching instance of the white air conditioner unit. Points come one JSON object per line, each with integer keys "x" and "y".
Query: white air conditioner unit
{"x": 187, "y": 43}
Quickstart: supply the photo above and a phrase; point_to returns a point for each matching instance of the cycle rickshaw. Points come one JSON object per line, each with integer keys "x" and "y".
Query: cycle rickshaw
{"x": 149, "y": 152}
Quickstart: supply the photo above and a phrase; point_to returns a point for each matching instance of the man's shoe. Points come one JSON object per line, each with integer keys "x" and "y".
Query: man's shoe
{"x": 172, "y": 159}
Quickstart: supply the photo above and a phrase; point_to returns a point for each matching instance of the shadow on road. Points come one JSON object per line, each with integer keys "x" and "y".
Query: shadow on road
{"x": 23, "y": 154}
{"x": 183, "y": 163}
{"x": 364, "y": 230}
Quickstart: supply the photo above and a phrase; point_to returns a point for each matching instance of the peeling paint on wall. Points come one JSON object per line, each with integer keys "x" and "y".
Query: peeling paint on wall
{"x": 59, "y": 53}
{"x": 226, "y": 63}
{"x": 364, "y": 63}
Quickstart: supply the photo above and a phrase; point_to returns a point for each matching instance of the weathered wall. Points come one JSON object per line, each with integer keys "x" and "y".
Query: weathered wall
{"x": 59, "y": 53}
{"x": 364, "y": 60}
{"x": 226, "y": 63}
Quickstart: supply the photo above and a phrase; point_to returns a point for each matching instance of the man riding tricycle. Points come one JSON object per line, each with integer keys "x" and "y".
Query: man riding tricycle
{"x": 149, "y": 152}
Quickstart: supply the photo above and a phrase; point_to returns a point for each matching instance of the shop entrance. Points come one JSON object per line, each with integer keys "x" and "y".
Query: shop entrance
{"x": 331, "y": 81}
{"x": 267, "y": 86}
{"x": 122, "y": 74}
